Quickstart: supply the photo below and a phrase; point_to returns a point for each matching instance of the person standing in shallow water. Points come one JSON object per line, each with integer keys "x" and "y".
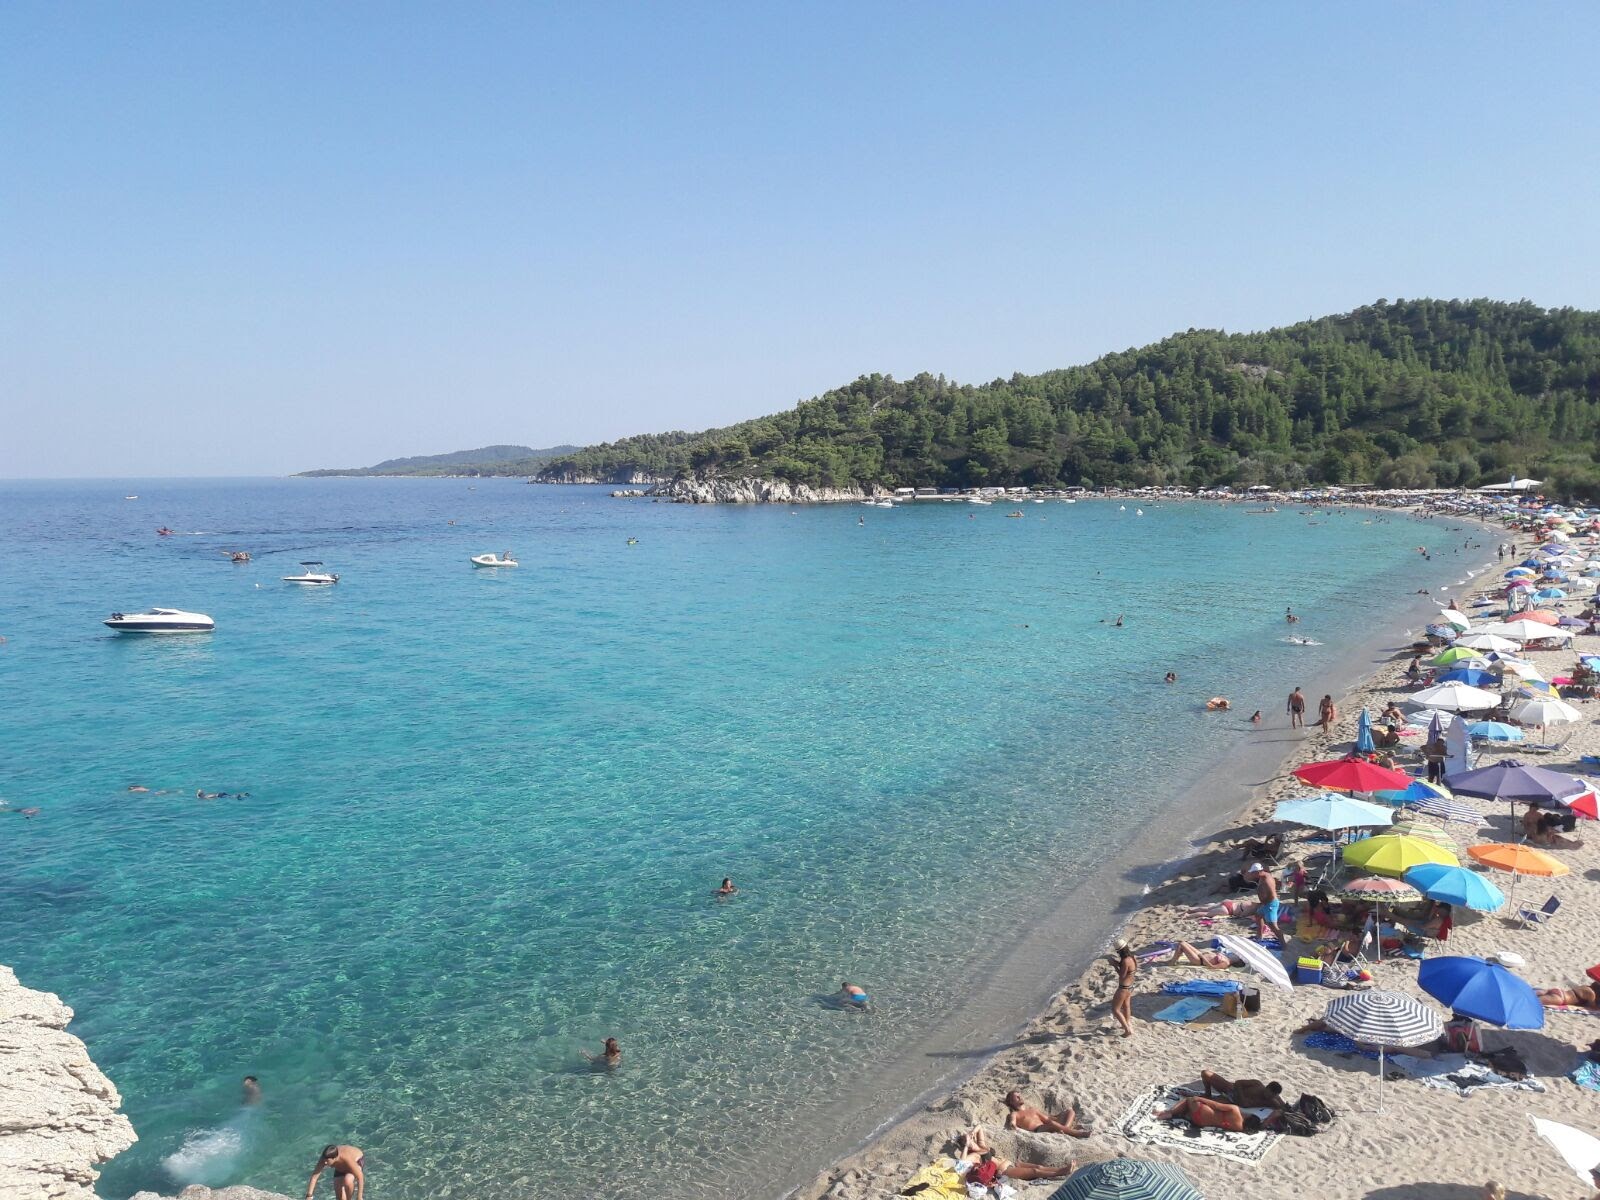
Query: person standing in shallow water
{"x": 1327, "y": 714}
{"x": 1297, "y": 709}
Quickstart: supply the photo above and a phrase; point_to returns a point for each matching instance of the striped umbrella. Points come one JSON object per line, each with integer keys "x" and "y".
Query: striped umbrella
{"x": 1128, "y": 1179}
{"x": 1257, "y": 958}
{"x": 1412, "y": 825}
{"x": 1378, "y": 892}
{"x": 1383, "y": 1019}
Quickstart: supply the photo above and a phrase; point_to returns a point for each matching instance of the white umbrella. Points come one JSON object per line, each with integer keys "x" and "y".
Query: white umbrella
{"x": 1545, "y": 712}
{"x": 1525, "y": 630}
{"x": 1457, "y": 697}
{"x": 1581, "y": 1151}
{"x": 1457, "y": 618}
{"x": 1257, "y": 959}
{"x": 1383, "y": 1019}
{"x": 1486, "y": 641}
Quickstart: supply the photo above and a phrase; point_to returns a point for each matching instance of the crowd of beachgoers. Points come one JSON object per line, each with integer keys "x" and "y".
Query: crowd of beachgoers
{"x": 1384, "y": 966}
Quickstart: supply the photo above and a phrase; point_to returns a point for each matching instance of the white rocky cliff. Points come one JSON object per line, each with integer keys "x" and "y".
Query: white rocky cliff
{"x": 59, "y": 1116}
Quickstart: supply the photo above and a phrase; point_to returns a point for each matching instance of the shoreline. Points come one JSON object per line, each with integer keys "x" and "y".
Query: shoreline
{"x": 1220, "y": 805}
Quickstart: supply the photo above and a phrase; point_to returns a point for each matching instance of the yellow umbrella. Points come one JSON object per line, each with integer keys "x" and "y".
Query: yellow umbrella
{"x": 1394, "y": 854}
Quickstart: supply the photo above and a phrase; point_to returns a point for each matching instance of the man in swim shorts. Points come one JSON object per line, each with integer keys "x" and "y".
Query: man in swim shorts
{"x": 1297, "y": 709}
{"x": 1267, "y": 915}
{"x": 1033, "y": 1120}
{"x": 1247, "y": 1093}
{"x": 349, "y": 1175}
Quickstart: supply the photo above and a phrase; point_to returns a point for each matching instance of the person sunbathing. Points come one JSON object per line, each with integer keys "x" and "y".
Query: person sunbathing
{"x": 1033, "y": 1120}
{"x": 975, "y": 1160}
{"x": 1212, "y": 1114}
{"x": 1247, "y": 1093}
{"x": 1215, "y": 959}
{"x": 1578, "y": 997}
{"x": 1252, "y": 849}
{"x": 1244, "y": 906}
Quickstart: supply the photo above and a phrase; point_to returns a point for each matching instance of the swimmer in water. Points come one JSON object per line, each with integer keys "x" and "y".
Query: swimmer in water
{"x": 727, "y": 888}
{"x": 1255, "y": 717}
{"x": 853, "y": 994}
{"x": 1117, "y": 624}
{"x": 1172, "y": 677}
{"x": 252, "y": 1091}
{"x": 610, "y": 1055}
{"x": 1288, "y": 615}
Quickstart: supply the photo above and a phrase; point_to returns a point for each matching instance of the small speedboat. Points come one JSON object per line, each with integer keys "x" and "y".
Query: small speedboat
{"x": 161, "y": 620}
{"x": 503, "y": 559}
{"x": 312, "y": 578}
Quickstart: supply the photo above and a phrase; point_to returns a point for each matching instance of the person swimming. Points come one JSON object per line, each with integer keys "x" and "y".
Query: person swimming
{"x": 727, "y": 888}
{"x": 251, "y": 1092}
{"x": 610, "y": 1055}
{"x": 853, "y": 994}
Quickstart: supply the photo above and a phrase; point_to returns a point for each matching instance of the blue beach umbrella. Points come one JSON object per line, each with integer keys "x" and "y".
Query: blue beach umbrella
{"x": 1518, "y": 573}
{"x": 1482, "y": 990}
{"x": 1553, "y": 573}
{"x": 1333, "y": 811}
{"x": 1475, "y": 676}
{"x": 1455, "y": 885}
{"x": 1128, "y": 1179}
{"x": 1494, "y": 731}
{"x": 1418, "y": 790}
{"x": 1510, "y": 780}
{"x": 1364, "y": 742}
{"x": 1549, "y": 594}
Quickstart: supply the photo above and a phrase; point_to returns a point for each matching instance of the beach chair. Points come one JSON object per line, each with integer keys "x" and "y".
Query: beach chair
{"x": 1532, "y": 918}
{"x": 1545, "y": 747}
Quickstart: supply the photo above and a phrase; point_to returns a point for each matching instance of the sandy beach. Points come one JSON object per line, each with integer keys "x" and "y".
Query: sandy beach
{"x": 1431, "y": 1143}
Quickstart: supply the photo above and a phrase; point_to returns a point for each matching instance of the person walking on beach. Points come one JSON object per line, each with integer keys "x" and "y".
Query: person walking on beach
{"x": 1127, "y": 966}
{"x": 349, "y": 1175}
{"x": 1297, "y": 709}
{"x": 1327, "y": 714}
{"x": 1267, "y": 914}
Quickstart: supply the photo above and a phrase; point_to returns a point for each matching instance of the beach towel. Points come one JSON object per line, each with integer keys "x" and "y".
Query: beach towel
{"x": 1337, "y": 1043}
{"x": 1453, "y": 1073}
{"x": 1586, "y": 1075}
{"x": 1186, "y": 1009}
{"x": 936, "y": 1181}
{"x": 1201, "y": 987}
{"x": 1138, "y": 1124}
{"x": 1576, "y": 1010}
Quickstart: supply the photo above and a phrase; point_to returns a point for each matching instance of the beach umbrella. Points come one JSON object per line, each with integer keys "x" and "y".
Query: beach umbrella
{"x": 1494, "y": 731}
{"x": 1550, "y": 594}
{"x": 1417, "y": 789}
{"x": 1457, "y": 886}
{"x": 1471, "y": 676}
{"x": 1580, "y": 1151}
{"x": 1332, "y": 811}
{"x": 1511, "y": 781}
{"x": 1453, "y": 655}
{"x": 1572, "y": 623}
{"x": 1519, "y": 583}
{"x": 1260, "y": 960}
{"x": 1545, "y": 712}
{"x": 1350, "y": 775}
{"x": 1457, "y": 697}
{"x": 1486, "y": 641}
{"x": 1442, "y": 630}
{"x": 1376, "y": 890}
{"x": 1517, "y": 861}
{"x": 1586, "y": 805}
{"x": 1519, "y": 573}
{"x": 1394, "y": 854}
{"x": 1481, "y": 990}
{"x": 1383, "y": 1019}
{"x": 1127, "y": 1179}
{"x": 1412, "y": 824}
{"x": 1542, "y": 616}
{"x": 1364, "y": 742}
{"x": 1456, "y": 618}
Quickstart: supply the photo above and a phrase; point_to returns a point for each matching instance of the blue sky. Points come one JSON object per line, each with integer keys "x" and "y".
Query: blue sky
{"x": 256, "y": 238}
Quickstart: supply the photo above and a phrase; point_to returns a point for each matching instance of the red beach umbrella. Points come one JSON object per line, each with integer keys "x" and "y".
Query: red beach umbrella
{"x": 1352, "y": 775}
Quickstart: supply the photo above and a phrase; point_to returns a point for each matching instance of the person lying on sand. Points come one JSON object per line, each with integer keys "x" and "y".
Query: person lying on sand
{"x": 1033, "y": 1120}
{"x": 1212, "y": 1114}
{"x": 1578, "y": 997}
{"x": 1252, "y": 849}
{"x": 1244, "y": 906}
{"x": 1247, "y": 1093}
{"x": 975, "y": 1159}
{"x": 1215, "y": 959}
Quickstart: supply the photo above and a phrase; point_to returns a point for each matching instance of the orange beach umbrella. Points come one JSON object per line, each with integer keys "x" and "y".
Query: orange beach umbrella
{"x": 1519, "y": 860}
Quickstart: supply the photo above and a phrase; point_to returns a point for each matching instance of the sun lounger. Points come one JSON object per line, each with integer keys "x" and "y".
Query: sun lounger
{"x": 1544, "y": 747}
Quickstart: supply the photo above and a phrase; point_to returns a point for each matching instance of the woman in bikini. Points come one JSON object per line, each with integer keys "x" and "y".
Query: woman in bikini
{"x": 1242, "y": 907}
{"x": 1122, "y": 1003}
{"x": 1214, "y": 959}
{"x": 1578, "y": 997}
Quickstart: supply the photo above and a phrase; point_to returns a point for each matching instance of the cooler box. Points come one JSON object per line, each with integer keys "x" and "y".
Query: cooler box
{"x": 1308, "y": 970}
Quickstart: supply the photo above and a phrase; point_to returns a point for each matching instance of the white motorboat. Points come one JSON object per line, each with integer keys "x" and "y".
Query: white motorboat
{"x": 503, "y": 559}
{"x": 312, "y": 578}
{"x": 161, "y": 620}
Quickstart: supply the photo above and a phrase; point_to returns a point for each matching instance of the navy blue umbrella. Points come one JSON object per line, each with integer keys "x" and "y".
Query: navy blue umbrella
{"x": 1510, "y": 780}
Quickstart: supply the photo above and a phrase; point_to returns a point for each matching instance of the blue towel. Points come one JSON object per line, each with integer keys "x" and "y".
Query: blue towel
{"x": 1202, "y": 987}
{"x": 1586, "y": 1075}
{"x": 1337, "y": 1043}
{"x": 1186, "y": 1009}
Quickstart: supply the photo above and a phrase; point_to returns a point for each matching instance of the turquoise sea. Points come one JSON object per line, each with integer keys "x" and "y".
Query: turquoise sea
{"x": 486, "y": 808}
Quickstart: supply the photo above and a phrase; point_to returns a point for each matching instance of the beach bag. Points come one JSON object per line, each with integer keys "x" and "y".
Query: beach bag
{"x": 1314, "y": 1109}
{"x": 1297, "y": 1124}
{"x": 1462, "y": 1037}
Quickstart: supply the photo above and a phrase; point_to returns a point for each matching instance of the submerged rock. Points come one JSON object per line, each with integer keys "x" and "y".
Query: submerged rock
{"x": 59, "y": 1116}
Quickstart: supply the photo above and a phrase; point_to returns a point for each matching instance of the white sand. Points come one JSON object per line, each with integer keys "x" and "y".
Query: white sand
{"x": 1429, "y": 1145}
